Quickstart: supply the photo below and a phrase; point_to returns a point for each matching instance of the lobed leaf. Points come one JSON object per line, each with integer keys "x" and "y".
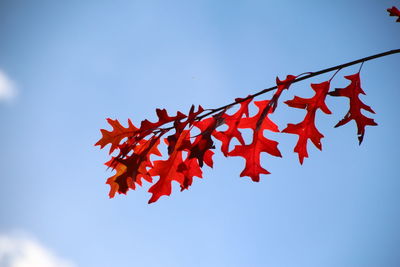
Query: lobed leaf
{"x": 352, "y": 91}
{"x": 233, "y": 121}
{"x": 187, "y": 154}
{"x": 251, "y": 153}
{"x": 306, "y": 129}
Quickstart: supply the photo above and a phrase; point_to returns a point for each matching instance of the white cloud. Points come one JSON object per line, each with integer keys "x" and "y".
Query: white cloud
{"x": 8, "y": 89}
{"x": 23, "y": 251}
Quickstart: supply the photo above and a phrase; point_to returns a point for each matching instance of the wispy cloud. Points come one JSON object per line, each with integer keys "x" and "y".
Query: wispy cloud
{"x": 8, "y": 89}
{"x": 23, "y": 251}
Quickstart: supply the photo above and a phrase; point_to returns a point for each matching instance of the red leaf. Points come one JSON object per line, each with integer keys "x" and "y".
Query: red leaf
{"x": 163, "y": 118}
{"x": 232, "y": 121}
{"x": 251, "y": 153}
{"x": 281, "y": 85}
{"x": 189, "y": 168}
{"x": 208, "y": 158}
{"x": 168, "y": 171}
{"x": 306, "y": 129}
{"x": 203, "y": 141}
{"x": 352, "y": 91}
{"x": 180, "y": 126}
{"x": 133, "y": 168}
{"x": 133, "y": 164}
{"x": 118, "y": 133}
{"x": 260, "y": 120}
{"x": 394, "y": 11}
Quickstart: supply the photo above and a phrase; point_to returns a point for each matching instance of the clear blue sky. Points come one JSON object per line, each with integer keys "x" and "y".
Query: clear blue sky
{"x": 76, "y": 63}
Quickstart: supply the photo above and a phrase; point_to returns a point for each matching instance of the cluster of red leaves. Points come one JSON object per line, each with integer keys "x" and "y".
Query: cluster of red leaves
{"x": 187, "y": 154}
{"x": 394, "y": 11}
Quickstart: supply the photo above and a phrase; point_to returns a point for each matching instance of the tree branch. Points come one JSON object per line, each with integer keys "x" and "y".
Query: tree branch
{"x": 310, "y": 75}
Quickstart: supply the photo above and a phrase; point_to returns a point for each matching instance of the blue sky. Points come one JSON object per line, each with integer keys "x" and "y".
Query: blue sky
{"x": 75, "y": 63}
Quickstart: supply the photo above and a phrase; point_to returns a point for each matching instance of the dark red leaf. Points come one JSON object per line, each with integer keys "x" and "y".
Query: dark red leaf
{"x": 163, "y": 118}
{"x": 282, "y": 85}
{"x": 179, "y": 126}
{"x": 189, "y": 168}
{"x": 133, "y": 168}
{"x": 394, "y": 11}
{"x": 203, "y": 141}
{"x": 352, "y": 91}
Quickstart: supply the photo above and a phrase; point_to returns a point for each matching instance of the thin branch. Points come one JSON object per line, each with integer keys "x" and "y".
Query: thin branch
{"x": 310, "y": 75}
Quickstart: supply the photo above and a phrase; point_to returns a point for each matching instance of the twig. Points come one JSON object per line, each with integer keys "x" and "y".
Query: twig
{"x": 310, "y": 75}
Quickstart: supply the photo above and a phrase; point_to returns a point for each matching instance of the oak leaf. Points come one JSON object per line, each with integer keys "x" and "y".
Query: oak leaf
{"x": 307, "y": 129}
{"x": 232, "y": 121}
{"x": 352, "y": 91}
{"x": 203, "y": 141}
{"x": 251, "y": 153}
{"x": 281, "y": 85}
{"x": 131, "y": 169}
{"x": 189, "y": 168}
{"x": 115, "y": 136}
{"x": 179, "y": 126}
{"x": 172, "y": 169}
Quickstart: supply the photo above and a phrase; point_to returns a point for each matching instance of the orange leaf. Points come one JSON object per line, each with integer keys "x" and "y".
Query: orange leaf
{"x": 118, "y": 133}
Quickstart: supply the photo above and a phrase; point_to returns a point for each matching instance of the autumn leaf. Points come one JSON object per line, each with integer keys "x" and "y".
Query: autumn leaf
{"x": 306, "y": 129}
{"x": 168, "y": 170}
{"x": 163, "y": 118}
{"x": 203, "y": 141}
{"x": 131, "y": 169}
{"x": 394, "y": 11}
{"x": 251, "y": 153}
{"x": 352, "y": 91}
{"x": 189, "y": 168}
{"x": 179, "y": 126}
{"x": 115, "y": 136}
{"x": 260, "y": 121}
{"x": 187, "y": 152}
{"x": 232, "y": 121}
{"x": 281, "y": 85}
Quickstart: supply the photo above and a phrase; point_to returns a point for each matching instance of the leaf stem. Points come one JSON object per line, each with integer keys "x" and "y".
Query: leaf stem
{"x": 362, "y": 63}
{"x": 309, "y": 75}
{"x": 333, "y": 76}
